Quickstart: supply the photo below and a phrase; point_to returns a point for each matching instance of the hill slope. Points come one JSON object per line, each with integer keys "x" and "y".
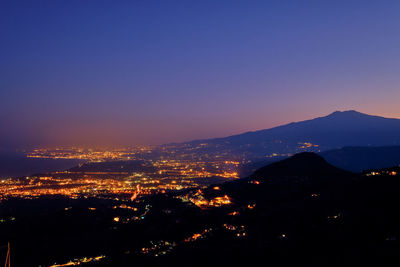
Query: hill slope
{"x": 304, "y": 164}
{"x": 298, "y": 176}
{"x": 354, "y": 159}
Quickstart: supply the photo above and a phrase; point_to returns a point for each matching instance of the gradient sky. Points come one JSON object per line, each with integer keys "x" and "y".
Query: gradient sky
{"x": 151, "y": 72}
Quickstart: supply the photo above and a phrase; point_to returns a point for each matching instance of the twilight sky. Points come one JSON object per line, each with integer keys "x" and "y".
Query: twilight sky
{"x": 132, "y": 72}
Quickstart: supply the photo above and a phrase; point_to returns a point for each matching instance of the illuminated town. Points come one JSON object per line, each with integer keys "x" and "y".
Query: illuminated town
{"x": 119, "y": 171}
{"x": 89, "y": 154}
{"x": 129, "y": 186}
{"x": 95, "y": 179}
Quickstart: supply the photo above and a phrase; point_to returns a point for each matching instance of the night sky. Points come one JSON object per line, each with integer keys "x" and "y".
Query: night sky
{"x": 152, "y": 72}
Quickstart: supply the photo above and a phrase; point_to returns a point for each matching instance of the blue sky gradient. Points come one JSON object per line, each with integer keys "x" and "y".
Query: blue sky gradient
{"x": 134, "y": 72}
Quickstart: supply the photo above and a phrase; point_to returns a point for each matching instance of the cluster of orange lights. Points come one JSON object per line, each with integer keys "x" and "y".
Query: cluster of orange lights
{"x": 197, "y": 168}
{"x": 78, "y": 262}
{"x": 93, "y": 155}
{"x": 240, "y": 231}
{"x": 73, "y": 188}
{"x": 196, "y": 236}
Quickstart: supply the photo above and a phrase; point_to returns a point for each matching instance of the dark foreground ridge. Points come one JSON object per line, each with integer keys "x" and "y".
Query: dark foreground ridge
{"x": 354, "y": 159}
{"x": 302, "y": 164}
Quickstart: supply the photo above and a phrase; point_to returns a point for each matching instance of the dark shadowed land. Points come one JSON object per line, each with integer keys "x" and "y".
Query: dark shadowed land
{"x": 358, "y": 159}
{"x": 300, "y": 211}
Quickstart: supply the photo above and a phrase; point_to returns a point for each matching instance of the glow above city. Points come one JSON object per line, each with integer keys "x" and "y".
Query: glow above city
{"x": 146, "y": 73}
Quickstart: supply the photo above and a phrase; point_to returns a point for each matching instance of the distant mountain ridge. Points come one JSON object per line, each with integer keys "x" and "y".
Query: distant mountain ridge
{"x": 357, "y": 159}
{"x": 337, "y": 130}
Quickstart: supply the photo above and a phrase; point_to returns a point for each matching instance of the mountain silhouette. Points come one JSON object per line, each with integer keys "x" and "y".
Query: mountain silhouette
{"x": 354, "y": 159}
{"x": 304, "y": 164}
{"x": 337, "y": 130}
